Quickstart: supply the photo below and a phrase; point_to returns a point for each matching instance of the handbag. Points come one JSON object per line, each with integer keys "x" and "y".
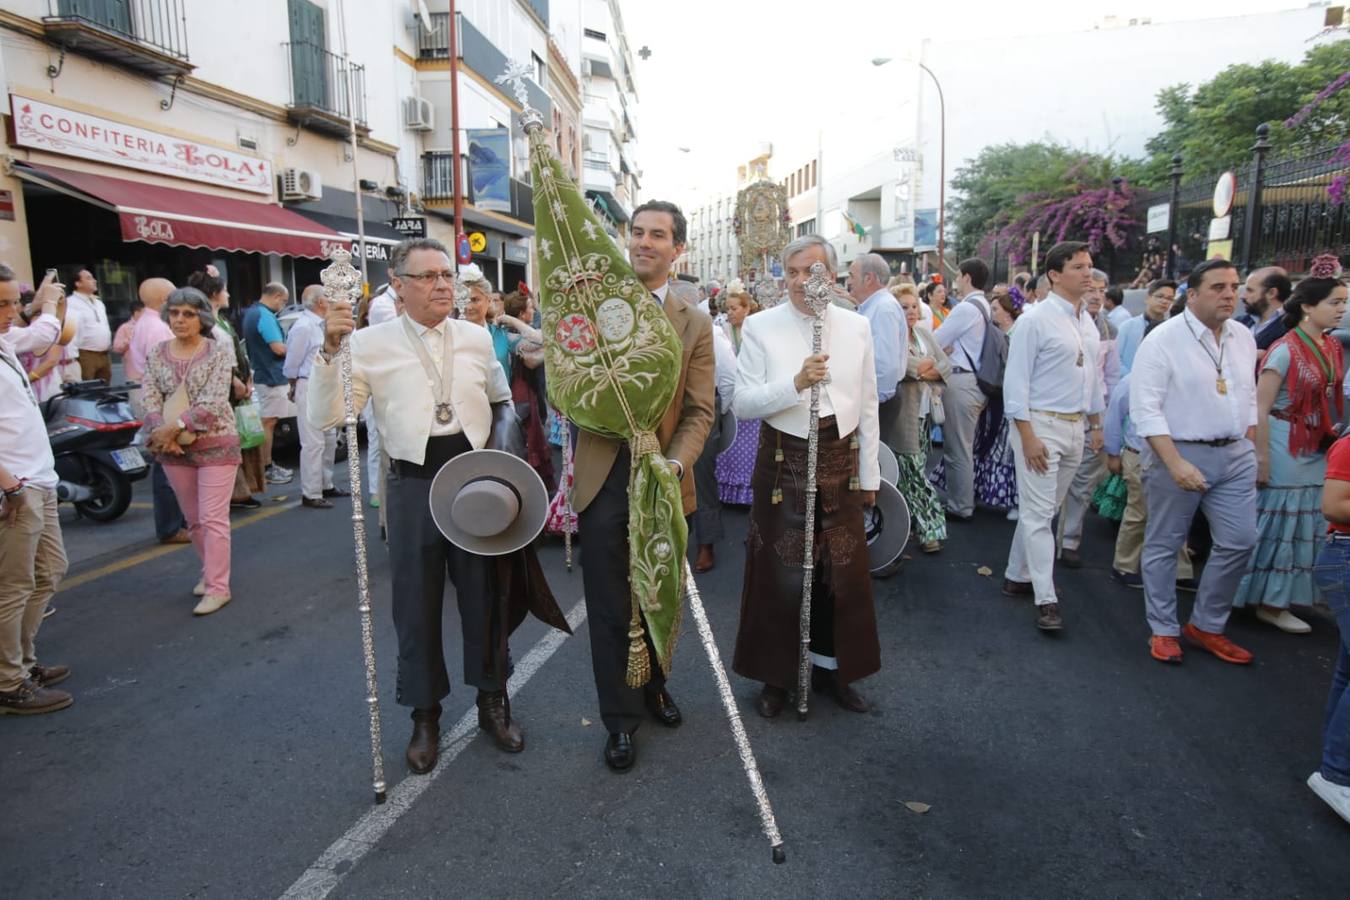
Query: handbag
{"x": 174, "y": 406}
{"x": 248, "y": 422}
{"x": 935, "y": 408}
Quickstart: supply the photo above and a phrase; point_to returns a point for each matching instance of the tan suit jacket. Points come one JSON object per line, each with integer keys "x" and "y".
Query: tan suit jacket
{"x": 686, "y": 423}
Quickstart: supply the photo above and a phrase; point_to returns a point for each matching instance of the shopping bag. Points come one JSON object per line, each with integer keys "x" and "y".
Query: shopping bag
{"x": 249, "y": 424}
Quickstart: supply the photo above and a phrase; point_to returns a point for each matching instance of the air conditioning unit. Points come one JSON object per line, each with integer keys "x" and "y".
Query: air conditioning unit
{"x": 301, "y": 184}
{"x": 585, "y": 68}
{"x": 419, "y": 114}
{"x": 585, "y": 142}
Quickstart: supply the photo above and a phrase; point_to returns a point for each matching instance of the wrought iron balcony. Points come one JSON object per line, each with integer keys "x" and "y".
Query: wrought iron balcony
{"x": 319, "y": 96}
{"x": 146, "y": 35}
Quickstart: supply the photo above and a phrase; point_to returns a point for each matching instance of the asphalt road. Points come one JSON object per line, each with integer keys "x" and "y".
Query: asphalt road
{"x": 228, "y": 756}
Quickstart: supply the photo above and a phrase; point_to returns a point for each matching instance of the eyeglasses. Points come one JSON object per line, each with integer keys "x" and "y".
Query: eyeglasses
{"x": 430, "y": 278}
{"x": 183, "y": 314}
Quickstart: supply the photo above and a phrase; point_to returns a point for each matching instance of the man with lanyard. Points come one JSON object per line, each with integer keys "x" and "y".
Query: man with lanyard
{"x": 438, "y": 392}
{"x": 1051, "y": 391}
{"x": 867, "y": 279}
{"x": 32, "y": 556}
{"x": 1193, "y": 398}
{"x": 93, "y": 334}
{"x": 961, "y": 336}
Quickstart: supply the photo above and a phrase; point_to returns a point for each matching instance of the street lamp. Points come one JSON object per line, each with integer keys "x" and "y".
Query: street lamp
{"x": 942, "y": 162}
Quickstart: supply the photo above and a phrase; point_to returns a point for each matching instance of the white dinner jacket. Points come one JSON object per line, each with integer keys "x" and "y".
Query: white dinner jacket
{"x": 386, "y": 369}
{"x": 773, "y": 347}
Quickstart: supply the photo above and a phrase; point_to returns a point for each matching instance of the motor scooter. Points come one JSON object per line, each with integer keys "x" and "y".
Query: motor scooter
{"x": 94, "y": 437}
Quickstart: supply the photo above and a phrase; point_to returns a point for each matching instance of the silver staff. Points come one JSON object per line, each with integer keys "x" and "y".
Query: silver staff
{"x": 342, "y": 284}
{"x": 568, "y": 515}
{"x": 819, "y": 293}
{"x": 766, "y": 820}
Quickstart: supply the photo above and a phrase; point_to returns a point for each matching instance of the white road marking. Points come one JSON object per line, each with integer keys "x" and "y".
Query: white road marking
{"x": 343, "y": 855}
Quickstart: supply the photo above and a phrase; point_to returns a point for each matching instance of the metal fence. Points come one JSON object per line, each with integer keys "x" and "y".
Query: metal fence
{"x": 158, "y": 24}
{"x": 1282, "y": 214}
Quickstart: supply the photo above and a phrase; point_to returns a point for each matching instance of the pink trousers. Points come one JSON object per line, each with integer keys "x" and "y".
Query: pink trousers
{"x": 204, "y": 493}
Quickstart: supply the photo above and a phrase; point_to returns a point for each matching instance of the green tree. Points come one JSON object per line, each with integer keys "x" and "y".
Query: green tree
{"x": 1213, "y": 126}
{"x": 1005, "y": 182}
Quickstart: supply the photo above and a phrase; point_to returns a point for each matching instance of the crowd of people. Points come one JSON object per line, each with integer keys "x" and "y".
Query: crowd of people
{"x": 1202, "y": 432}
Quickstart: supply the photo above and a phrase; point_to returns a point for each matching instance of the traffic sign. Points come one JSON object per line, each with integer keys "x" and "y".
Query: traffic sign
{"x": 477, "y": 241}
{"x": 462, "y": 252}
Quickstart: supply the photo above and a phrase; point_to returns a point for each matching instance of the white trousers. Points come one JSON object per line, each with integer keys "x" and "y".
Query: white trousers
{"x": 374, "y": 465}
{"x": 317, "y": 448}
{"x": 1032, "y": 556}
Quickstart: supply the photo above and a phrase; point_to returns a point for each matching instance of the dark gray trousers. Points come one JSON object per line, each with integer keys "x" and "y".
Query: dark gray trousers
{"x": 707, "y": 519}
{"x": 609, "y": 601}
{"x": 419, "y": 560}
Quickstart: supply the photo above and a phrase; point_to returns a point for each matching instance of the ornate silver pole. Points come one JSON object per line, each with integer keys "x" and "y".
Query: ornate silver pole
{"x": 342, "y": 284}
{"x": 819, "y": 291}
{"x": 766, "y": 819}
{"x": 567, "y": 494}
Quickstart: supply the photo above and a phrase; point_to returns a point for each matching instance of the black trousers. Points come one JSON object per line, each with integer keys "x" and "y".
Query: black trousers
{"x": 419, "y": 560}
{"x": 609, "y": 602}
{"x": 707, "y": 519}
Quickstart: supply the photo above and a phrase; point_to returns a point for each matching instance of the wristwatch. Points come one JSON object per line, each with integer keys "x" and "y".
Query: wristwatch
{"x": 1095, "y": 427}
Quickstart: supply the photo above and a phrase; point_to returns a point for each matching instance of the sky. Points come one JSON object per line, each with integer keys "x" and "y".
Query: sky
{"x": 725, "y": 76}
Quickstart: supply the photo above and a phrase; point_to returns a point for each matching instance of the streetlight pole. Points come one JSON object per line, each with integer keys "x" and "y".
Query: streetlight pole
{"x": 942, "y": 162}
{"x": 457, "y": 189}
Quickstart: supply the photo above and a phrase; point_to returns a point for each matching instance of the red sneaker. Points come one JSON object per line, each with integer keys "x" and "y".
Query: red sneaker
{"x": 1165, "y": 648}
{"x": 1217, "y": 644}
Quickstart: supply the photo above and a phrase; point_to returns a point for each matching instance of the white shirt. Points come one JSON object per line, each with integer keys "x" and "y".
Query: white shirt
{"x": 1053, "y": 362}
{"x": 303, "y": 343}
{"x": 24, "y": 448}
{"x": 961, "y": 334}
{"x": 386, "y": 369}
{"x": 92, "y": 320}
{"x": 1174, "y": 384}
{"x": 773, "y": 345}
{"x": 724, "y": 355}
{"x": 382, "y": 308}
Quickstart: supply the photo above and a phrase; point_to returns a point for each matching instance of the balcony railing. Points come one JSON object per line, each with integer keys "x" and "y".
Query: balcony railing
{"x": 434, "y": 44}
{"x": 319, "y": 97}
{"x": 146, "y": 35}
{"x": 438, "y": 186}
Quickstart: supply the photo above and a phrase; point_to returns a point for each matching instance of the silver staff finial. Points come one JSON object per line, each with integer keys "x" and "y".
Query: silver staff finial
{"x": 767, "y": 294}
{"x": 341, "y": 281}
{"x": 515, "y": 75}
{"x": 461, "y": 297}
{"x": 819, "y": 289}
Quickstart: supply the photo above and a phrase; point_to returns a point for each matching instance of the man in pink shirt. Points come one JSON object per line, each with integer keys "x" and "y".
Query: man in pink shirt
{"x": 151, "y": 329}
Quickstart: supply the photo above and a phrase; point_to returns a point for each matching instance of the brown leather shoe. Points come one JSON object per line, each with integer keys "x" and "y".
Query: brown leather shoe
{"x": 316, "y": 503}
{"x": 1047, "y": 617}
{"x": 425, "y": 742}
{"x": 1018, "y": 588}
{"x": 46, "y": 676}
{"x": 1070, "y": 559}
{"x": 181, "y": 536}
{"x": 494, "y": 717}
{"x": 30, "y": 699}
{"x": 705, "y": 560}
{"x": 771, "y": 701}
{"x": 826, "y": 681}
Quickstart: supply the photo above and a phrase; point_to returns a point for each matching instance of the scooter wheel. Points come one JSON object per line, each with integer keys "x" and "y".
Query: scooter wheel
{"x": 112, "y": 493}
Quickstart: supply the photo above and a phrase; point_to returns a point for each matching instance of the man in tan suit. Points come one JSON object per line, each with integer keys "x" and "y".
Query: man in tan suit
{"x": 600, "y": 491}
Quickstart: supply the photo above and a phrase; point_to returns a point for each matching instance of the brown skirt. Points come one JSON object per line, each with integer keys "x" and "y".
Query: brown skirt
{"x": 843, "y": 617}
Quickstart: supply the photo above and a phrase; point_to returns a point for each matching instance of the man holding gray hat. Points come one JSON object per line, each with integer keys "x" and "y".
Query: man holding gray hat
{"x": 439, "y": 394}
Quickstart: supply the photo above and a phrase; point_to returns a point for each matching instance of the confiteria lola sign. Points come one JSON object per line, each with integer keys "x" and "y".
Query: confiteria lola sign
{"x": 55, "y": 129}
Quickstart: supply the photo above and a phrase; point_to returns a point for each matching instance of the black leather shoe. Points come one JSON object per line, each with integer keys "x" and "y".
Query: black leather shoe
{"x": 826, "y": 681}
{"x": 663, "y": 708}
{"x": 771, "y": 701}
{"x": 1070, "y": 558}
{"x": 620, "y": 751}
{"x": 426, "y": 737}
{"x": 332, "y": 492}
{"x": 316, "y": 503}
{"x": 494, "y": 717}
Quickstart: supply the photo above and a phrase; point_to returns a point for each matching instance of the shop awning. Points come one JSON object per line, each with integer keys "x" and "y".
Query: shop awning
{"x": 180, "y": 218}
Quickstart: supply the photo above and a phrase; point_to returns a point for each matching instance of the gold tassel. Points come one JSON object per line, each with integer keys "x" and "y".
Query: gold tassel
{"x": 778, "y": 455}
{"x": 776, "y": 497}
{"x": 639, "y": 661}
{"x": 853, "y": 442}
{"x": 854, "y": 484}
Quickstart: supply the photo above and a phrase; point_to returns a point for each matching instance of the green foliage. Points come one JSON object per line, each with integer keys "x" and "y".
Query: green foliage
{"x": 1213, "y": 126}
{"x": 1004, "y": 182}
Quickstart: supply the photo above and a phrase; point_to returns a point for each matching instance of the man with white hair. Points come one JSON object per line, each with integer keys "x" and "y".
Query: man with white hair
{"x": 318, "y": 448}
{"x": 867, "y": 278}
{"x": 774, "y": 374}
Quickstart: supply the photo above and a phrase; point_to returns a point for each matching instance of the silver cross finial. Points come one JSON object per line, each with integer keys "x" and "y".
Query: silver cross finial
{"x": 461, "y": 297}
{"x": 819, "y": 289}
{"x": 515, "y": 75}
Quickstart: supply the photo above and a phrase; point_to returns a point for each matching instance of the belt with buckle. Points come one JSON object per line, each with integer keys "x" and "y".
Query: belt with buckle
{"x": 1130, "y": 450}
{"x": 1065, "y": 417}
